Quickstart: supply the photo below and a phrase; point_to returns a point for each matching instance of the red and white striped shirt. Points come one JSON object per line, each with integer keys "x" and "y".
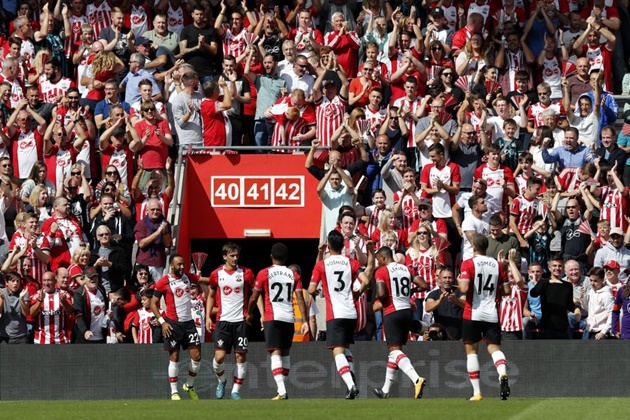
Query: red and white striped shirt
{"x": 231, "y": 292}
{"x": 278, "y": 284}
{"x": 568, "y": 179}
{"x": 329, "y": 116}
{"x": 496, "y": 180}
{"x": 99, "y": 16}
{"x": 50, "y": 321}
{"x": 291, "y": 128}
{"x": 337, "y": 274}
{"x": 536, "y": 110}
{"x": 525, "y": 210}
{"x": 442, "y": 201}
{"x": 51, "y": 91}
{"x": 17, "y": 90}
{"x": 511, "y": 315}
{"x": 361, "y": 306}
{"x": 38, "y": 268}
{"x": 424, "y": 263}
{"x": 411, "y": 124}
{"x": 614, "y": 206}
{"x": 377, "y": 117}
{"x": 75, "y": 23}
{"x": 236, "y": 44}
{"x": 142, "y": 322}
{"x": 176, "y": 292}
{"x": 374, "y": 214}
{"x": 398, "y": 279}
{"x": 485, "y": 275}
{"x": 409, "y": 209}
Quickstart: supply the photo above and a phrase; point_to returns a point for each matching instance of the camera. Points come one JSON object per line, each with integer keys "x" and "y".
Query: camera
{"x": 436, "y": 335}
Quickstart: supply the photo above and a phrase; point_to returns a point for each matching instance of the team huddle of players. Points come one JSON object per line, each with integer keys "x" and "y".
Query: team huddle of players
{"x": 481, "y": 279}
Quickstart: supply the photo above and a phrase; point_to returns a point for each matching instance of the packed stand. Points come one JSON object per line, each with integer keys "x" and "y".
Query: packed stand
{"x": 424, "y": 125}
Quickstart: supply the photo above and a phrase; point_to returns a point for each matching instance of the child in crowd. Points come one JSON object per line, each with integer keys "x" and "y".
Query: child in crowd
{"x": 145, "y": 329}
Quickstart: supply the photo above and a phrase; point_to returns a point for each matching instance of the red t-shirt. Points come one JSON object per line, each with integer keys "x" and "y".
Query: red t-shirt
{"x": 213, "y": 124}
{"x": 154, "y": 152}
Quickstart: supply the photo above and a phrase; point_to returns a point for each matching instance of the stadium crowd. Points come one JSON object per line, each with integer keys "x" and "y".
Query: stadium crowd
{"x": 425, "y": 123}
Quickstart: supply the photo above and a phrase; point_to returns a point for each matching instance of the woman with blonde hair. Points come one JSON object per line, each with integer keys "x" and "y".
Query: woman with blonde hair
{"x": 388, "y": 222}
{"x": 105, "y": 65}
{"x": 37, "y": 70}
{"x": 474, "y": 57}
{"x": 80, "y": 260}
{"x": 390, "y": 239}
{"x": 424, "y": 257}
{"x": 40, "y": 203}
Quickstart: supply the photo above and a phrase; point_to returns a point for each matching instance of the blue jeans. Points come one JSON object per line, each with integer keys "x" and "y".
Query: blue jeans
{"x": 574, "y": 325}
{"x": 263, "y": 130}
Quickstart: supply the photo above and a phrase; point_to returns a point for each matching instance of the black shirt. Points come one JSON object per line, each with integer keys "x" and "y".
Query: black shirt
{"x": 205, "y": 64}
{"x": 574, "y": 242}
{"x": 555, "y": 300}
{"x": 447, "y": 313}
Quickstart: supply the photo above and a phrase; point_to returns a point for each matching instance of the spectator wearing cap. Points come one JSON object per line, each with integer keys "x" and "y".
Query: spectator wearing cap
{"x": 90, "y": 309}
{"x": 612, "y": 270}
{"x": 614, "y": 250}
{"x": 425, "y": 214}
{"x": 438, "y": 30}
{"x": 158, "y": 59}
{"x": 623, "y": 141}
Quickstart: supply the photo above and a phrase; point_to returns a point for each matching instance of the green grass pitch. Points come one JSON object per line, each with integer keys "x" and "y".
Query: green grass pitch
{"x": 322, "y": 409}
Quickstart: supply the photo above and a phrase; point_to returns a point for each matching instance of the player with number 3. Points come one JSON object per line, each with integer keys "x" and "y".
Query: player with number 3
{"x": 337, "y": 273}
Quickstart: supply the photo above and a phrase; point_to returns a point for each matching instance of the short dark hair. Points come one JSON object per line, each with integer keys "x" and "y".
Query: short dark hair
{"x": 335, "y": 241}
{"x": 230, "y": 247}
{"x": 385, "y": 252}
{"x": 280, "y": 252}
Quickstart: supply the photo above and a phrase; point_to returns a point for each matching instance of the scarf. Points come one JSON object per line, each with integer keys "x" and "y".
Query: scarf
{"x": 153, "y": 227}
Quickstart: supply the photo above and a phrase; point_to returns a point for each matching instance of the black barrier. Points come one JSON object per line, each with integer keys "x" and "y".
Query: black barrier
{"x": 109, "y": 372}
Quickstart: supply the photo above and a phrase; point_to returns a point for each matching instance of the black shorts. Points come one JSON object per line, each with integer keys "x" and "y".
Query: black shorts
{"x": 397, "y": 325}
{"x": 231, "y": 334}
{"x": 475, "y": 331}
{"x": 340, "y": 332}
{"x": 278, "y": 335}
{"x": 183, "y": 334}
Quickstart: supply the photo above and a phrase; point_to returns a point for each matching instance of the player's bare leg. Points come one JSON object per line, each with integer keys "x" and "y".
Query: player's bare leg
{"x": 343, "y": 367}
{"x": 280, "y": 358}
{"x": 195, "y": 365}
{"x": 239, "y": 374}
{"x": 500, "y": 363}
{"x": 472, "y": 365}
{"x": 219, "y": 370}
{"x": 173, "y": 373}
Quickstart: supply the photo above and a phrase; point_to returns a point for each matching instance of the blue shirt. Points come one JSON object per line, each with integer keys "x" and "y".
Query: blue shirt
{"x": 533, "y": 302}
{"x": 624, "y": 141}
{"x": 608, "y": 109}
{"x": 131, "y": 81}
{"x": 102, "y": 108}
{"x": 568, "y": 158}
